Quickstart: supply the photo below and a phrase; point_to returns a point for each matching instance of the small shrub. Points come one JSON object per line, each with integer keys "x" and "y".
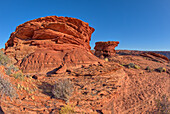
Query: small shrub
{"x": 148, "y": 68}
{"x": 14, "y": 68}
{"x": 8, "y": 71}
{"x": 6, "y": 88}
{"x": 121, "y": 65}
{"x": 11, "y": 69}
{"x": 67, "y": 109}
{"x": 161, "y": 69}
{"x": 28, "y": 76}
{"x": 137, "y": 67}
{"x": 4, "y": 60}
{"x": 132, "y": 65}
{"x": 19, "y": 75}
{"x": 106, "y": 59}
{"x": 163, "y": 105}
{"x": 62, "y": 89}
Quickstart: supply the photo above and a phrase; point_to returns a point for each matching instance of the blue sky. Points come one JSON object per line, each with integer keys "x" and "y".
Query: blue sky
{"x": 136, "y": 24}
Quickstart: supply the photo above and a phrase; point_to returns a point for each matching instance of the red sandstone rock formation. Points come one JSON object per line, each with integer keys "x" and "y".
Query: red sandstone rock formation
{"x": 105, "y": 49}
{"x": 2, "y": 49}
{"x": 47, "y": 44}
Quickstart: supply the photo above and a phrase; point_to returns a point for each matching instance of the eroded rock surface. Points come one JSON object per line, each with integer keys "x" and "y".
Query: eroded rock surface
{"x": 105, "y": 49}
{"x": 142, "y": 88}
{"x": 47, "y": 44}
{"x": 103, "y": 88}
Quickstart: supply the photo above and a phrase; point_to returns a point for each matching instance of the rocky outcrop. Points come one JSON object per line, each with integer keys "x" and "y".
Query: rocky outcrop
{"x": 2, "y": 49}
{"x": 47, "y": 44}
{"x": 105, "y": 49}
{"x": 165, "y": 53}
{"x": 155, "y": 57}
{"x": 150, "y": 55}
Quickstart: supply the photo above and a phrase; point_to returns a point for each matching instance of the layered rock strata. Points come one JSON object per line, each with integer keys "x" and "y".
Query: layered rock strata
{"x": 47, "y": 44}
{"x": 105, "y": 49}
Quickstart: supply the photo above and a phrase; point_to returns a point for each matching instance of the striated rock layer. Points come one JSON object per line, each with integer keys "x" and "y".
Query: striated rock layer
{"x": 105, "y": 49}
{"x": 150, "y": 55}
{"x": 155, "y": 57}
{"x": 47, "y": 44}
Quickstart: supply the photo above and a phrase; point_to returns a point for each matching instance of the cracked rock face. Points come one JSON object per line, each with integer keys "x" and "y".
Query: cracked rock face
{"x": 47, "y": 44}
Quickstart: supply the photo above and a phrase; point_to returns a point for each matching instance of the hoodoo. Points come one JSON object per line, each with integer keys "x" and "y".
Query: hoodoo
{"x": 105, "y": 49}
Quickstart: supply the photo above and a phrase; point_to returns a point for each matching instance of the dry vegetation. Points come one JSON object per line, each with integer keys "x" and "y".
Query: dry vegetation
{"x": 62, "y": 89}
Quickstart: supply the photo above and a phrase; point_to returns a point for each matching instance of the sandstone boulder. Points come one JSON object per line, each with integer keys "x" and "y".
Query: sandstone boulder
{"x": 105, "y": 49}
{"x": 47, "y": 44}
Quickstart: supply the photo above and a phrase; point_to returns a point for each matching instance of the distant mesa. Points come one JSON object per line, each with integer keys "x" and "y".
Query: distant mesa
{"x": 105, "y": 49}
{"x": 51, "y": 44}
